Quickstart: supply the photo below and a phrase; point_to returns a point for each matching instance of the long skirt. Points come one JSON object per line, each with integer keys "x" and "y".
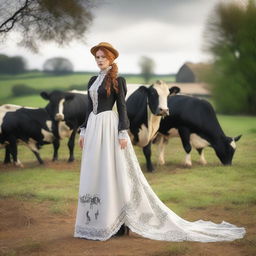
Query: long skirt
{"x": 113, "y": 191}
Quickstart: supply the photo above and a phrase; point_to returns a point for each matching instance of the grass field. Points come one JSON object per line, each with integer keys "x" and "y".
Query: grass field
{"x": 43, "y": 82}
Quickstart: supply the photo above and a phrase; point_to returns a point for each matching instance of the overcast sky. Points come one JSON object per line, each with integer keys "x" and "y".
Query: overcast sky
{"x": 168, "y": 31}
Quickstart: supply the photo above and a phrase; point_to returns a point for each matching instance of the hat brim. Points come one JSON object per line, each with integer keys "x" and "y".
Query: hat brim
{"x": 96, "y": 48}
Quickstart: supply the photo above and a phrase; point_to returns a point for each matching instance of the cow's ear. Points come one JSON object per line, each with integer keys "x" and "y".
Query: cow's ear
{"x": 45, "y": 95}
{"x": 143, "y": 88}
{"x": 237, "y": 138}
{"x": 69, "y": 96}
{"x": 174, "y": 90}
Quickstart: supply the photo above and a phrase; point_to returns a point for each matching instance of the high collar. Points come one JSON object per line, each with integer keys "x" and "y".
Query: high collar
{"x": 105, "y": 71}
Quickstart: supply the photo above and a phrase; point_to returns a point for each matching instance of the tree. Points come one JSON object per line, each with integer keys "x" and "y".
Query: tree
{"x": 60, "y": 21}
{"x": 147, "y": 68}
{"x": 12, "y": 65}
{"x": 230, "y": 37}
{"x": 58, "y": 66}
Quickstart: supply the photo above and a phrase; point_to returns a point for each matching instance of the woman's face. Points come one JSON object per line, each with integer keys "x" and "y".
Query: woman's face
{"x": 102, "y": 60}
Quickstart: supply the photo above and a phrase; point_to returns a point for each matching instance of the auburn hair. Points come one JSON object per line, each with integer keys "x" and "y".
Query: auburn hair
{"x": 111, "y": 77}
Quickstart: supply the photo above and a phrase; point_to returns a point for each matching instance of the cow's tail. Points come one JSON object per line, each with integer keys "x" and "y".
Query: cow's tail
{"x": 158, "y": 137}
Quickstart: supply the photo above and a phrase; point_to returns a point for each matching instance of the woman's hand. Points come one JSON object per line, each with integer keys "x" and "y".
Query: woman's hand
{"x": 123, "y": 143}
{"x": 81, "y": 142}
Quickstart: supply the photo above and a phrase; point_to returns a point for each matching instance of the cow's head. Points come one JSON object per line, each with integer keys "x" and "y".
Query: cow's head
{"x": 229, "y": 147}
{"x": 56, "y": 99}
{"x": 157, "y": 98}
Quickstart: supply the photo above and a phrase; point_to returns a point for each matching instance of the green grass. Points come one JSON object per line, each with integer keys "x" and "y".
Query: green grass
{"x": 235, "y": 125}
{"x": 28, "y": 101}
{"x": 39, "y": 183}
{"x": 208, "y": 186}
{"x": 41, "y": 83}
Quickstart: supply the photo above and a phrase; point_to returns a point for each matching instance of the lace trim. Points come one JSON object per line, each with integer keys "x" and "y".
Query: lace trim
{"x": 141, "y": 225}
{"x": 94, "y": 96}
{"x": 101, "y": 234}
{"x": 93, "y": 90}
{"x": 123, "y": 134}
{"x": 82, "y": 132}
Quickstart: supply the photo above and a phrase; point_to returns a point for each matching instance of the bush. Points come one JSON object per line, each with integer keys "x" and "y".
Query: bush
{"x": 12, "y": 65}
{"x": 58, "y": 66}
{"x": 23, "y": 89}
{"x": 230, "y": 38}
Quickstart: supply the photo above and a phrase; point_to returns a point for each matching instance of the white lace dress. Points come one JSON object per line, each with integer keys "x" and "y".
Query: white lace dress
{"x": 113, "y": 191}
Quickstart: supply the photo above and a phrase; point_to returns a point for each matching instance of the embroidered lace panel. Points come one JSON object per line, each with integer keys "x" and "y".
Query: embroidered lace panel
{"x": 94, "y": 88}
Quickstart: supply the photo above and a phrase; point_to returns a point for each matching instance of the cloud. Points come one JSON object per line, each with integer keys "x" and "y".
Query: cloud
{"x": 169, "y": 31}
{"x": 163, "y": 30}
{"x": 115, "y": 14}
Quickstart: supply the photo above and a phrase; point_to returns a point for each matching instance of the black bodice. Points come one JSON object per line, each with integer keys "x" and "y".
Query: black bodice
{"x": 107, "y": 102}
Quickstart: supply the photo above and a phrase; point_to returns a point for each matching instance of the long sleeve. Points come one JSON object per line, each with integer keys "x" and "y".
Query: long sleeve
{"x": 124, "y": 123}
{"x": 89, "y": 107}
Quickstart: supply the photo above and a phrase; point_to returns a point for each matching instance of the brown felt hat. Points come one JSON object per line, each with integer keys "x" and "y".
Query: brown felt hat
{"x": 106, "y": 45}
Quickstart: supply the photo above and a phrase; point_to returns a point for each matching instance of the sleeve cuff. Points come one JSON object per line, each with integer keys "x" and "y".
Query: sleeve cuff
{"x": 82, "y": 132}
{"x": 123, "y": 134}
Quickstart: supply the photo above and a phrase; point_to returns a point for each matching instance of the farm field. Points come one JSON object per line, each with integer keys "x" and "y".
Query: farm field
{"x": 38, "y": 203}
{"x": 43, "y": 82}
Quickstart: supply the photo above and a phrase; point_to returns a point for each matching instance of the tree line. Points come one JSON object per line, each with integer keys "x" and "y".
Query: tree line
{"x": 12, "y": 65}
{"x": 61, "y": 66}
{"x": 17, "y": 65}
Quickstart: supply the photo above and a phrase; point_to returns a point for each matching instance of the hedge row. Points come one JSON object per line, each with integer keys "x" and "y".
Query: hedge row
{"x": 23, "y": 89}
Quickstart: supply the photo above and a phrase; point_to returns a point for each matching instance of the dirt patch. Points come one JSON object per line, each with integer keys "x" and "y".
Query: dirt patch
{"x": 58, "y": 165}
{"x": 30, "y": 228}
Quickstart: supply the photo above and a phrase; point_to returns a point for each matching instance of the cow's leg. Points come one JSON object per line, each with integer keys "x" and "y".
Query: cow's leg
{"x": 185, "y": 139}
{"x": 7, "y": 158}
{"x": 38, "y": 157}
{"x": 8, "y": 155}
{"x": 147, "y": 153}
{"x": 71, "y": 144}
{"x": 14, "y": 151}
{"x": 56, "y": 145}
{"x": 161, "y": 149}
{"x": 33, "y": 146}
{"x": 201, "y": 153}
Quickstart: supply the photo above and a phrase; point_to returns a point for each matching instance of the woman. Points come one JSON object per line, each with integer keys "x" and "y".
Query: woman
{"x": 113, "y": 190}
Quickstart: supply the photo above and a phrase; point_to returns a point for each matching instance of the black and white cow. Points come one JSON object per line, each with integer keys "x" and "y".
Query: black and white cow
{"x": 31, "y": 126}
{"x": 67, "y": 110}
{"x": 3, "y": 110}
{"x": 145, "y": 107}
{"x": 195, "y": 121}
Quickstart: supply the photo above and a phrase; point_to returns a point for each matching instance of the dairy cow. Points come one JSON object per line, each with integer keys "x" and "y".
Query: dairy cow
{"x": 3, "y": 110}
{"x": 31, "y": 126}
{"x": 67, "y": 110}
{"x": 195, "y": 121}
{"x": 145, "y": 108}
